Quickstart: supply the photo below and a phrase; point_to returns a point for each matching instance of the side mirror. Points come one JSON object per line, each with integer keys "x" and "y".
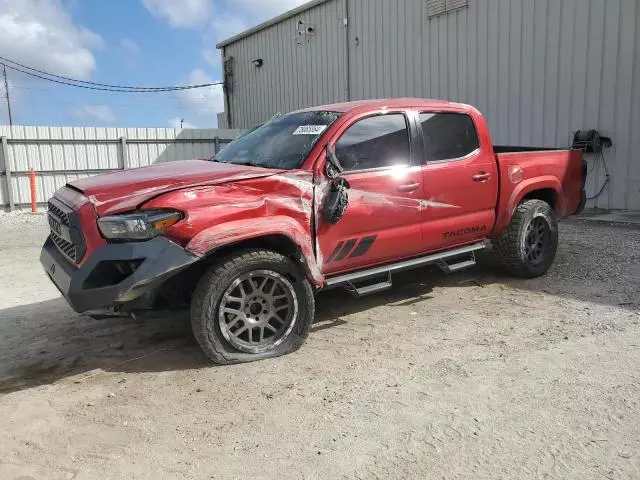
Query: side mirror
{"x": 337, "y": 198}
{"x": 332, "y": 168}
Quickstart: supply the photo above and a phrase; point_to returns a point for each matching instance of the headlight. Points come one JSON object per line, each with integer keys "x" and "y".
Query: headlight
{"x": 142, "y": 225}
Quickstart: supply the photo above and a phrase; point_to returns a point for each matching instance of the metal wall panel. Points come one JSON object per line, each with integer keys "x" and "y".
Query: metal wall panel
{"x": 538, "y": 69}
{"x": 298, "y": 70}
{"x": 60, "y": 155}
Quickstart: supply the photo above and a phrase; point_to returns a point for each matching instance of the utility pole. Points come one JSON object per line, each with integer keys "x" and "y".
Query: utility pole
{"x": 6, "y": 91}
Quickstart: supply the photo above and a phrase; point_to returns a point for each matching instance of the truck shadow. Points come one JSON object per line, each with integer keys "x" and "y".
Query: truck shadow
{"x": 591, "y": 286}
{"x": 46, "y": 343}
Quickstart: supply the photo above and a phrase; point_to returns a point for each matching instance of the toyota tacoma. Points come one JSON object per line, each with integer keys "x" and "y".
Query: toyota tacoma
{"x": 340, "y": 195}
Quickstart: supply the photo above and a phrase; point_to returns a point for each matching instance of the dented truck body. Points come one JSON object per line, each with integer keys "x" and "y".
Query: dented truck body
{"x": 404, "y": 199}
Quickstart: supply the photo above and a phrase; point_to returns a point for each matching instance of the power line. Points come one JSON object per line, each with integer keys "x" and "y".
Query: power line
{"x": 94, "y": 85}
{"x": 55, "y": 89}
{"x": 110, "y": 89}
{"x": 75, "y": 80}
{"x": 170, "y": 103}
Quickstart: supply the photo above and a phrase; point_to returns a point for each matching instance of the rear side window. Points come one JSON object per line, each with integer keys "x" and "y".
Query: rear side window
{"x": 448, "y": 136}
{"x": 375, "y": 142}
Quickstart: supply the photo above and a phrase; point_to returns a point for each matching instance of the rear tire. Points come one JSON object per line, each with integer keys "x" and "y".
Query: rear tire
{"x": 527, "y": 248}
{"x": 252, "y": 305}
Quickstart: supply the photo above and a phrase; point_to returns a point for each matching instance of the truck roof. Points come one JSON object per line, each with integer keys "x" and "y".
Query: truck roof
{"x": 388, "y": 103}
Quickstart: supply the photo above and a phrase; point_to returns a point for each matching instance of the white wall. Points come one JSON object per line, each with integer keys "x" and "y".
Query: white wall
{"x": 61, "y": 154}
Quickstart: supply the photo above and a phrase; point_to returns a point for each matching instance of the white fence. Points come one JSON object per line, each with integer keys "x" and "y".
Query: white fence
{"x": 64, "y": 154}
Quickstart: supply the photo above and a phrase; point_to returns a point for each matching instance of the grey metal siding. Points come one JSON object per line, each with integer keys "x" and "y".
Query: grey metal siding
{"x": 538, "y": 69}
{"x": 298, "y": 70}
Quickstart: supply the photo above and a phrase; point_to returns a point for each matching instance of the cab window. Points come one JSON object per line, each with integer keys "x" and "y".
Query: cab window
{"x": 375, "y": 142}
{"x": 448, "y": 136}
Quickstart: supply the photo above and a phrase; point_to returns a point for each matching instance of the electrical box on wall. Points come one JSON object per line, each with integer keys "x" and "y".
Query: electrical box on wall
{"x": 304, "y": 32}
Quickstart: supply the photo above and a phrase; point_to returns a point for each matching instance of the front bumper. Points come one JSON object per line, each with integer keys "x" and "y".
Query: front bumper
{"x": 156, "y": 261}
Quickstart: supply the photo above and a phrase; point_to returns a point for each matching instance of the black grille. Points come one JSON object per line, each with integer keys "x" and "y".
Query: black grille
{"x": 65, "y": 230}
{"x": 59, "y": 213}
{"x": 65, "y": 247}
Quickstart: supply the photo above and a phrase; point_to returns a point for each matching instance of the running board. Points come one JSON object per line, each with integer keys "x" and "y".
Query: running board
{"x": 381, "y": 286}
{"x": 349, "y": 278}
{"x": 461, "y": 264}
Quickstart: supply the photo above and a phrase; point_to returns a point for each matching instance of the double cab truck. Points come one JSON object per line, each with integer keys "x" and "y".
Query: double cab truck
{"x": 340, "y": 195}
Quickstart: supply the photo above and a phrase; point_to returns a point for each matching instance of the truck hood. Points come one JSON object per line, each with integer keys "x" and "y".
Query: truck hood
{"x": 117, "y": 192}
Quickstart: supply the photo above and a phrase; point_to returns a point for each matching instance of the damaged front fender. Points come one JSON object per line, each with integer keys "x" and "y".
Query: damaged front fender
{"x": 231, "y": 233}
{"x": 225, "y": 215}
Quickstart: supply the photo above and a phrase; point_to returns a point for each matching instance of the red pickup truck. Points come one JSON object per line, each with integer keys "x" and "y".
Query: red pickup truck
{"x": 337, "y": 195}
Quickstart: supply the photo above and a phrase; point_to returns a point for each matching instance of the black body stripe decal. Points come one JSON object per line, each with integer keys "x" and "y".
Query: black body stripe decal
{"x": 335, "y": 253}
{"x": 346, "y": 249}
{"x": 364, "y": 246}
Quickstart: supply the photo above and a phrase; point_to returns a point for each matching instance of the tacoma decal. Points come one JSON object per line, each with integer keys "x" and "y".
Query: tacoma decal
{"x": 464, "y": 231}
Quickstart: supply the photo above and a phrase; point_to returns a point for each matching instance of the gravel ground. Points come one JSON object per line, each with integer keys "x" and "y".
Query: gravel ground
{"x": 468, "y": 376}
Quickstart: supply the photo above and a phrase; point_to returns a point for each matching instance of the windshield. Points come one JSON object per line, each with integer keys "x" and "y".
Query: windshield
{"x": 281, "y": 143}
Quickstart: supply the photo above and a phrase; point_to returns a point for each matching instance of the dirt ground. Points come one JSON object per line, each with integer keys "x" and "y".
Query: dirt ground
{"x": 472, "y": 376}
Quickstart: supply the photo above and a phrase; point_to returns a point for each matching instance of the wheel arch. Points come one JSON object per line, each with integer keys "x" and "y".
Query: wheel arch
{"x": 275, "y": 242}
{"x": 548, "y": 195}
{"x": 548, "y": 189}
{"x": 281, "y": 235}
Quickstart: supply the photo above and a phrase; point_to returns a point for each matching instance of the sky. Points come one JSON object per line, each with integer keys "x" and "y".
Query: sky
{"x": 124, "y": 42}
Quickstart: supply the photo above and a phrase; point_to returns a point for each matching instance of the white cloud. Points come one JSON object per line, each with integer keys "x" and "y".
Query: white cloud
{"x": 42, "y": 34}
{"x": 227, "y": 26}
{"x": 212, "y": 56}
{"x": 221, "y": 28}
{"x": 178, "y": 122}
{"x": 95, "y": 113}
{"x": 261, "y": 10}
{"x": 200, "y": 105}
{"x": 205, "y": 101}
{"x": 130, "y": 47}
{"x": 181, "y": 13}
{"x": 130, "y": 52}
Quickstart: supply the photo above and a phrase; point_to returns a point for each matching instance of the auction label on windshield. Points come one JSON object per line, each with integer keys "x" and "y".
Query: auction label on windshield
{"x": 310, "y": 130}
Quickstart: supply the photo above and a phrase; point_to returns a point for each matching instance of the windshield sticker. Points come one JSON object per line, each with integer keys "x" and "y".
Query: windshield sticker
{"x": 310, "y": 130}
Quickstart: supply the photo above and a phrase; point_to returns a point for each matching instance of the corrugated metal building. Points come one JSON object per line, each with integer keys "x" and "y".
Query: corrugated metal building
{"x": 538, "y": 69}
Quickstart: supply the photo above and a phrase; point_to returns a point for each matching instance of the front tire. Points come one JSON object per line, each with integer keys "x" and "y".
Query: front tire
{"x": 527, "y": 248}
{"x": 252, "y": 305}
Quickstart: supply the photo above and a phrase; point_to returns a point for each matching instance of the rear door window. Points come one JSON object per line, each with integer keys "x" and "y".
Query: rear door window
{"x": 448, "y": 136}
{"x": 375, "y": 142}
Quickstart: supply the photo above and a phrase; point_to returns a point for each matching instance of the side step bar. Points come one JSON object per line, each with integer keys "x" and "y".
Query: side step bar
{"x": 437, "y": 258}
{"x": 460, "y": 264}
{"x": 381, "y": 286}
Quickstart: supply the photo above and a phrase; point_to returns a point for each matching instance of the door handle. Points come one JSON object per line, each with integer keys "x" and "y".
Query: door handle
{"x": 408, "y": 187}
{"x": 481, "y": 177}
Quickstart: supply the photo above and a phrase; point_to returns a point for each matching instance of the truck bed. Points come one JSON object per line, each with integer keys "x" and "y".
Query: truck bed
{"x": 559, "y": 172}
